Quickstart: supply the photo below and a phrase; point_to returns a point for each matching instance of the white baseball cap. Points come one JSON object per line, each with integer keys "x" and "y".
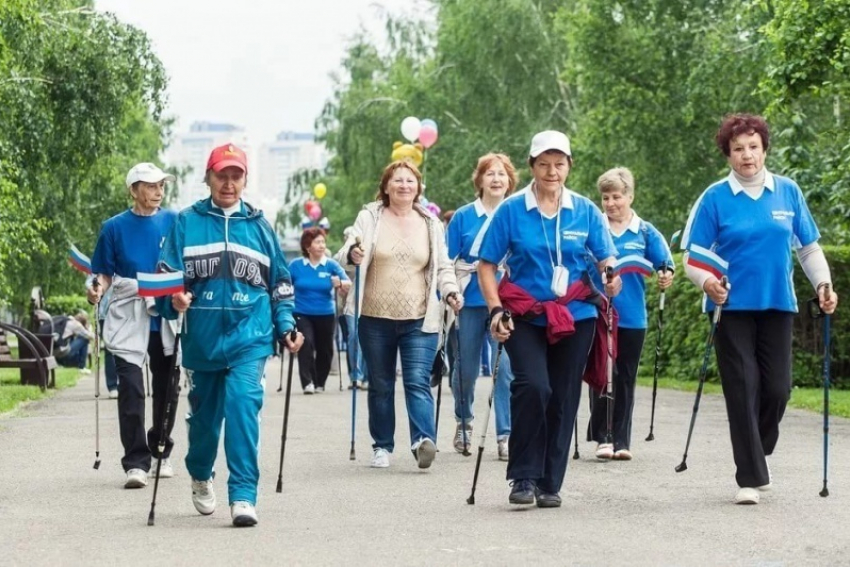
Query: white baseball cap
{"x": 549, "y": 140}
{"x": 147, "y": 172}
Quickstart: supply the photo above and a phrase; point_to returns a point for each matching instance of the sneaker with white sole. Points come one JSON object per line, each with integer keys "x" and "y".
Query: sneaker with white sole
{"x": 747, "y": 495}
{"x": 769, "y": 486}
{"x": 622, "y": 455}
{"x": 243, "y": 514}
{"x": 85, "y": 371}
{"x": 320, "y": 389}
{"x": 165, "y": 471}
{"x": 203, "y": 496}
{"x": 113, "y": 394}
{"x": 380, "y": 458}
{"x": 136, "y": 478}
{"x": 502, "y": 448}
{"x": 424, "y": 450}
{"x": 605, "y": 451}
{"x": 463, "y": 445}
{"x": 309, "y": 389}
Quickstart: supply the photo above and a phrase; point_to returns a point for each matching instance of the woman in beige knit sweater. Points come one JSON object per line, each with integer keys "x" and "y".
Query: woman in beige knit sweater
{"x": 401, "y": 251}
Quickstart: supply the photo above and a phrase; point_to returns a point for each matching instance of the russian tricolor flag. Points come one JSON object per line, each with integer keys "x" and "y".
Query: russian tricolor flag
{"x": 79, "y": 260}
{"x": 706, "y": 260}
{"x": 633, "y": 264}
{"x": 158, "y": 285}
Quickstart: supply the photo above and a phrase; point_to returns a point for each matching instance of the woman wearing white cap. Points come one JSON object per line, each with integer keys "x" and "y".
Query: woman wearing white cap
{"x": 544, "y": 230}
{"x": 129, "y": 243}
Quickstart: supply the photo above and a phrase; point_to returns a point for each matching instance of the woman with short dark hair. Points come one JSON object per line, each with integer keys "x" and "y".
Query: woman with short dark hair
{"x": 745, "y": 227}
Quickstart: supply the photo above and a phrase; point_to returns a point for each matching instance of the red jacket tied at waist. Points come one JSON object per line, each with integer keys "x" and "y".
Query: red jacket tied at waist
{"x": 560, "y": 323}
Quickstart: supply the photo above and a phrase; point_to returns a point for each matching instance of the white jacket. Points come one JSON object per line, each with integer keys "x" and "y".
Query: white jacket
{"x": 441, "y": 275}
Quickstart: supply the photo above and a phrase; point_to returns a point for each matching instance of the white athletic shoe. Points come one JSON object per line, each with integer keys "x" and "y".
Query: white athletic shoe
{"x": 113, "y": 394}
{"x": 747, "y": 495}
{"x": 380, "y": 459}
{"x": 769, "y": 486}
{"x": 502, "y": 447}
{"x": 320, "y": 389}
{"x": 309, "y": 389}
{"x": 605, "y": 451}
{"x": 85, "y": 371}
{"x": 424, "y": 450}
{"x": 243, "y": 514}
{"x": 165, "y": 471}
{"x": 136, "y": 478}
{"x": 203, "y": 496}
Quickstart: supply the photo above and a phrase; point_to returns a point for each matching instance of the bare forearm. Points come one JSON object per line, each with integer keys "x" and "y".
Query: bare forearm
{"x": 488, "y": 284}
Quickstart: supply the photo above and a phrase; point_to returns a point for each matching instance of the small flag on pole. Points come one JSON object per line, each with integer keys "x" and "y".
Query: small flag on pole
{"x": 674, "y": 240}
{"x": 158, "y": 285}
{"x": 706, "y": 260}
{"x": 79, "y": 260}
{"x": 633, "y": 264}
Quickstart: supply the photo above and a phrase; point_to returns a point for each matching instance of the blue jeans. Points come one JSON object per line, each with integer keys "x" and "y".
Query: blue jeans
{"x": 77, "y": 356}
{"x": 237, "y": 394}
{"x": 356, "y": 364}
{"x": 474, "y": 332}
{"x": 381, "y": 339}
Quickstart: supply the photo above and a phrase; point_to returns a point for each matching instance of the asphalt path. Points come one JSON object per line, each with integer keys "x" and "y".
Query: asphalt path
{"x": 55, "y": 509}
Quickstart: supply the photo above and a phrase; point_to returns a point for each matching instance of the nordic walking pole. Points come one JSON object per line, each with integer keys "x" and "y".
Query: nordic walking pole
{"x": 292, "y": 336}
{"x": 506, "y": 317}
{"x": 173, "y": 384}
{"x": 148, "y": 377}
{"x": 609, "y": 387}
{"x": 683, "y": 466}
{"x": 575, "y": 450}
{"x": 826, "y": 384}
{"x": 352, "y": 455}
{"x": 661, "y": 296}
{"x": 95, "y": 284}
{"x": 459, "y": 368}
{"x": 337, "y": 340}
{"x": 440, "y": 383}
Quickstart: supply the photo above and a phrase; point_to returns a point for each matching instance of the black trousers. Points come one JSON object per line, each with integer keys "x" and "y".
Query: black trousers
{"x": 754, "y": 358}
{"x": 316, "y": 355}
{"x": 629, "y": 347}
{"x": 138, "y": 446}
{"x": 545, "y": 395}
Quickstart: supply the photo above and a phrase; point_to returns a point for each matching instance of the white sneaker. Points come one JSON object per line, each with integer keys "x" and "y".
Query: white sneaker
{"x": 320, "y": 389}
{"x": 243, "y": 514}
{"x": 425, "y": 451}
{"x": 85, "y": 371}
{"x": 113, "y": 394}
{"x": 309, "y": 389}
{"x": 502, "y": 447}
{"x": 165, "y": 471}
{"x": 622, "y": 455}
{"x": 203, "y": 496}
{"x": 136, "y": 478}
{"x": 605, "y": 451}
{"x": 747, "y": 495}
{"x": 380, "y": 458}
{"x": 769, "y": 486}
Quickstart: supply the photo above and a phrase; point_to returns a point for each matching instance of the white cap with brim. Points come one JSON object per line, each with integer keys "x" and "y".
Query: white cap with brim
{"x": 549, "y": 140}
{"x": 147, "y": 172}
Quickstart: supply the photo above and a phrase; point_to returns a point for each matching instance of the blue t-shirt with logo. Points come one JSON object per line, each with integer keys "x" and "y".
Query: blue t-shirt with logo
{"x": 756, "y": 237}
{"x": 639, "y": 239}
{"x": 463, "y": 238}
{"x": 129, "y": 243}
{"x": 519, "y": 230}
{"x": 313, "y": 286}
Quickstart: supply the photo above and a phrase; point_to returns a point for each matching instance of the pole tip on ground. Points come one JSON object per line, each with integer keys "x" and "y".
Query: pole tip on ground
{"x": 576, "y": 456}
{"x": 471, "y": 499}
{"x": 279, "y": 487}
{"x": 824, "y": 493}
{"x": 351, "y": 456}
{"x": 96, "y": 464}
{"x": 650, "y": 437}
{"x": 150, "y": 518}
{"x": 683, "y": 466}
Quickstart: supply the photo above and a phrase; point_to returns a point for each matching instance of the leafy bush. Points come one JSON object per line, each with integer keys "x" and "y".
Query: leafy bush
{"x": 686, "y": 329}
{"x": 68, "y": 305}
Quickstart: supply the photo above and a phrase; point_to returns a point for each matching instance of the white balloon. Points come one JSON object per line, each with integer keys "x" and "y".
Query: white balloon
{"x": 410, "y": 127}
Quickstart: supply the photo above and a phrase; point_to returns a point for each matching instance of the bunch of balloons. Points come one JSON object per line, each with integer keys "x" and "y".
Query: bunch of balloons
{"x": 423, "y": 130}
{"x": 434, "y": 208}
{"x": 312, "y": 208}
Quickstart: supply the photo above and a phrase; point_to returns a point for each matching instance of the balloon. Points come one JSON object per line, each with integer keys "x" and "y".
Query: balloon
{"x": 320, "y": 190}
{"x": 434, "y": 208}
{"x": 315, "y": 212}
{"x": 423, "y": 201}
{"x": 307, "y": 206}
{"x": 410, "y": 128}
{"x": 428, "y": 137}
{"x": 428, "y": 123}
{"x": 325, "y": 223}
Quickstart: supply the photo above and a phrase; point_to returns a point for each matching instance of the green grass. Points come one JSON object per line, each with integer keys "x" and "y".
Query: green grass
{"x": 12, "y": 393}
{"x": 802, "y": 398}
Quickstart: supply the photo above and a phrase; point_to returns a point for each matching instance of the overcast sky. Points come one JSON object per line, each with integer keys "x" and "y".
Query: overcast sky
{"x": 262, "y": 64}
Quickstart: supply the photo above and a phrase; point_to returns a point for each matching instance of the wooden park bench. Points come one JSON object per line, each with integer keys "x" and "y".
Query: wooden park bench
{"x": 37, "y": 366}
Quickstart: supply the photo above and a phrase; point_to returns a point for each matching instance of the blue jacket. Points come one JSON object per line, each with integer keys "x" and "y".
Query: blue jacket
{"x": 236, "y": 270}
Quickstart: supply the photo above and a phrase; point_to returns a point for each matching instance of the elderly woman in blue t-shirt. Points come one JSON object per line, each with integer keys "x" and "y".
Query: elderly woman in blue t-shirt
{"x": 745, "y": 227}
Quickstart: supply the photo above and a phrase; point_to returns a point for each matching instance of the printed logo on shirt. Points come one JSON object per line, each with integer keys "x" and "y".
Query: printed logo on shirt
{"x": 573, "y": 235}
{"x": 634, "y": 246}
{"x": 324, "y": 275}
{"x": 782, "y": 215}
{"x": 240, "y": 298}
{"x": 284, "y": 290}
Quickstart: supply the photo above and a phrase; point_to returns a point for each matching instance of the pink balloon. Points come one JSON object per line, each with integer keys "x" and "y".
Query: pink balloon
{"x": 427, "y": 136}
{"x": 315, "y": 212}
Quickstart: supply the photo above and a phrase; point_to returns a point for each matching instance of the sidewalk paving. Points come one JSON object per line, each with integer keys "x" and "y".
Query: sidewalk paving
{"x": 56, "y": 510}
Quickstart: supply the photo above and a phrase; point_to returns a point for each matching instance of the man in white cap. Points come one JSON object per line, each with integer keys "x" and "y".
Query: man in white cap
{"x": 130, "y": 243}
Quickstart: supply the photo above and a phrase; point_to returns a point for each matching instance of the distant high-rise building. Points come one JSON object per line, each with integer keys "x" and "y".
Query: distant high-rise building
{"x": 192, "y": 148}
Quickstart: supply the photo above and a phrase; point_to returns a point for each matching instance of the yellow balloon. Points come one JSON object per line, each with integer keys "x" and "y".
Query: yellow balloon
{"x": 320, "y": 190}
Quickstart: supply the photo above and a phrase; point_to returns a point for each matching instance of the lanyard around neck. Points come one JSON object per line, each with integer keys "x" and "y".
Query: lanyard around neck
{"x": 557, "y": 227}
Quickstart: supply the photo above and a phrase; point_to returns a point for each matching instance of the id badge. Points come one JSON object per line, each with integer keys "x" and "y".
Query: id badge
{"x": 560, "y": 281}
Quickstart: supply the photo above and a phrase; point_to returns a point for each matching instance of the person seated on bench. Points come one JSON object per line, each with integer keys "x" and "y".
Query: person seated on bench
{"x": 72, "y": 345}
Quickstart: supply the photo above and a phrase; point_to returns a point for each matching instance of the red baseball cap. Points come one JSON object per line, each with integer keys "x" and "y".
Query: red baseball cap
{"x": 227, "y": 155}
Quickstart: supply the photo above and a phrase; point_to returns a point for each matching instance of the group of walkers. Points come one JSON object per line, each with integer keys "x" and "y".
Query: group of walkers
{"x": 542, "y": 274}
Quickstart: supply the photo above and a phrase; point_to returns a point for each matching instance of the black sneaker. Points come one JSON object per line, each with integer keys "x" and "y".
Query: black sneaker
{"x": 547, "y": 499}
{"x": 522, "y": 492}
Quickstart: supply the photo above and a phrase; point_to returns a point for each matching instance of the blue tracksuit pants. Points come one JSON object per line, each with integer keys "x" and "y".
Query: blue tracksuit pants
{"x": 234, "y": 395}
